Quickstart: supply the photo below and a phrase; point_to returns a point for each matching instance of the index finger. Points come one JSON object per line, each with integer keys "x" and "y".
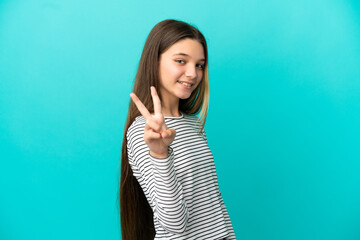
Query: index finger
{"x": 143, "y": 110}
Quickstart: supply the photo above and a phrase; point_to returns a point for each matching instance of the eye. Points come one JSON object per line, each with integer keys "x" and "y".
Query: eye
{"x": 179, "y": 61}
{"x": 201, "y": 66}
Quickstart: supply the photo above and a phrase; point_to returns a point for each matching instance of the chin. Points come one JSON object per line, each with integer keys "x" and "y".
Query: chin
{"x": 184, "y": 96}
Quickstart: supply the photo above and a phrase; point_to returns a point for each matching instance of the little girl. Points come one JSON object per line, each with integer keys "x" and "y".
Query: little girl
{"x": 169, "y": 187}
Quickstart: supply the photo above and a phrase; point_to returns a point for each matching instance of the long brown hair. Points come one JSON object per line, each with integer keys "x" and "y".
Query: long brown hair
{"x": 135, "y": 212}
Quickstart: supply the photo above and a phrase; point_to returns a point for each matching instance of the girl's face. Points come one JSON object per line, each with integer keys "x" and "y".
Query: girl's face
{"x": 181, "y": 69}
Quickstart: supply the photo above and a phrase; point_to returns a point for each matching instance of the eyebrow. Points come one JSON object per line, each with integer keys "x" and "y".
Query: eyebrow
{"x": 184, "y": 54}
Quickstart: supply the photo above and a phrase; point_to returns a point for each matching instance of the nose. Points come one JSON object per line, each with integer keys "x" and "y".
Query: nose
{"x": 191, "y": 72}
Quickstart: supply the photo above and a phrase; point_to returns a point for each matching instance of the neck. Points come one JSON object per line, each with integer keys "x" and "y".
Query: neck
{"x": 170, "y": 107}
{"x": 169, "y": 111}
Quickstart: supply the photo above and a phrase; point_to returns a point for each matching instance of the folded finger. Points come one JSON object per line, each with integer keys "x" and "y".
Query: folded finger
{"x": 169, "y": 133}
{"x": 152, "y": 135}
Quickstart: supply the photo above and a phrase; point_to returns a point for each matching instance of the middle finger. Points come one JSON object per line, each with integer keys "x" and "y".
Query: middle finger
{"x": 156, "y": 101}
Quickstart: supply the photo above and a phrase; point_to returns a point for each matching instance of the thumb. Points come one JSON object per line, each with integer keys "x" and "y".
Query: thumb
{"x": 168, "y": 133}
{"x": 172, "y": 133}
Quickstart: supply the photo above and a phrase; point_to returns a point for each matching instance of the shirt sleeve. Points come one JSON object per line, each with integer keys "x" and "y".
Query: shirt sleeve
{"x": 157, "y": 177}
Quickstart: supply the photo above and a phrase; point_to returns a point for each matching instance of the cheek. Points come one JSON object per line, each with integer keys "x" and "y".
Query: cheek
{"x": 170, "y": 71}
{"x": 174, "y": 71}
{"x": 198, "y": 83}
{"x": 200, "y": 76}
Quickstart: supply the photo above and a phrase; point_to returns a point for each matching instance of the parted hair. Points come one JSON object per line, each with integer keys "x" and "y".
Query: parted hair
{"x": 136, "y": 215}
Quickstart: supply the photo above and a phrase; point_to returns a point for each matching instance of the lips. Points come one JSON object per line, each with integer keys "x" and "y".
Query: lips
{"x": 186, "y": 84}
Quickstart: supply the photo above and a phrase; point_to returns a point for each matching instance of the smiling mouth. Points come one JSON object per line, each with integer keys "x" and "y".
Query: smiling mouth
{"x": 188, "y": 85}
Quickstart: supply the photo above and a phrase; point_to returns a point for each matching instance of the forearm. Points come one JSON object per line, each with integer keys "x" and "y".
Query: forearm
{"x": 171, "y": 208}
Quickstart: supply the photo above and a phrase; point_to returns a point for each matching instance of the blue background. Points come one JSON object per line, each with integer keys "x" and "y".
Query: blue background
{"x": 283, "y": 122}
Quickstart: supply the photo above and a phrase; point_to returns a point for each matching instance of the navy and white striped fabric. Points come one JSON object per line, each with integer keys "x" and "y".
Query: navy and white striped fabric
{"x": 181, "y": 189}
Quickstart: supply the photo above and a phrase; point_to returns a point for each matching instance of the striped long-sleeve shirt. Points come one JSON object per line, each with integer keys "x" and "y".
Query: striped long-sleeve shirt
{"x": 181, "y": 189}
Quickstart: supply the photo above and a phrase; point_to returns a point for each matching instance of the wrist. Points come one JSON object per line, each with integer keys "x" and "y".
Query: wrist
{"x": 159, "y": 155}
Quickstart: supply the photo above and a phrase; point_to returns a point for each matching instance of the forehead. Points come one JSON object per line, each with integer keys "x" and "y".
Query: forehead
{"x": 187, "y": 46}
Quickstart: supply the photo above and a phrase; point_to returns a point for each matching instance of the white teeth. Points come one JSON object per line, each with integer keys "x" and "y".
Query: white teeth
{"x": 186, "y": 84}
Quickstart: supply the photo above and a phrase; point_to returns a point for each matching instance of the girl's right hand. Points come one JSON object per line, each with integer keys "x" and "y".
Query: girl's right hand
{"x": 156, "y": 134}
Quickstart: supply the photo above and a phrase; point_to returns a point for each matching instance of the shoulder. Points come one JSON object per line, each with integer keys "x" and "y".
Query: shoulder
{"x": 192, "y": 119}
{"x": 136, "y": 128}
{"x": 198, "y": 125}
